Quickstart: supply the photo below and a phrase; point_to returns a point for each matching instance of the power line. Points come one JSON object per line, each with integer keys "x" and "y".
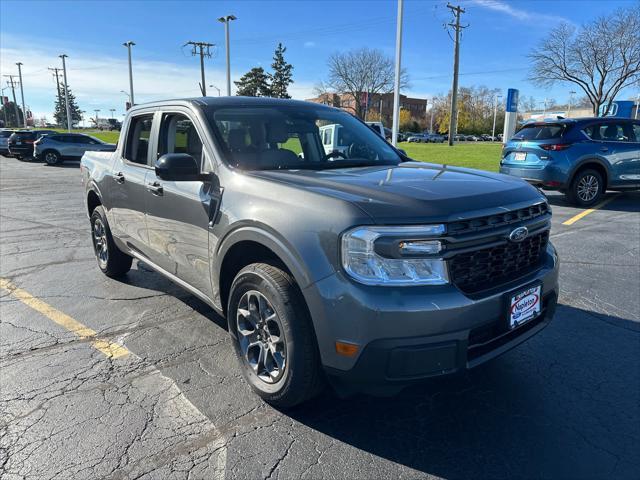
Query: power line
{"x": 204, "y": 50}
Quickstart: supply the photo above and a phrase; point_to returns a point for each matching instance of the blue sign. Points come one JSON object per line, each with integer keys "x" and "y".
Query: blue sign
{"x": 512, "y": 100}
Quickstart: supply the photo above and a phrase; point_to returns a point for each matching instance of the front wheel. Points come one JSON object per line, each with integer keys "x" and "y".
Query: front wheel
{"x": 273, "y": 336}
{"x": 111, "y": 260}
{"x": 586, "y": 189}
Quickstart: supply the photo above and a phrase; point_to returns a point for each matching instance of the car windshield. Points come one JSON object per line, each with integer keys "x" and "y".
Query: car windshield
{"x": 540, "y": 131}
{"x": 294, "y": 137}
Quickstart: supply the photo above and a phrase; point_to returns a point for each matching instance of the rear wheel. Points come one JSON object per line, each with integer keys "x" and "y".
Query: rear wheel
{"x": 52, "y": 157}
{"x": 111, "y": 260}
{"x": 586, "y": 188}
{"x": 273, "y": 336}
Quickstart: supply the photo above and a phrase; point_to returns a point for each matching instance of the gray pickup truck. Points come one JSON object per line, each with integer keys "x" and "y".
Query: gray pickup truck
{"x": 358, "y": 267}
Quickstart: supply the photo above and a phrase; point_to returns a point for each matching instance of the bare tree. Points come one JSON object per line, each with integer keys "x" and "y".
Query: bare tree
{"x": 602, "y": 57}
{"x": 362, "y": 73}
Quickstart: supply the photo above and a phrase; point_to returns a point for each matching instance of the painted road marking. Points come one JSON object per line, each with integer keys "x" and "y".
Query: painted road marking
{"x": 577, "y": 217}
{"x": 110, "y": 349}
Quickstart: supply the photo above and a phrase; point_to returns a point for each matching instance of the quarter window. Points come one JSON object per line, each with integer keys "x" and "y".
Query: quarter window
{"x": 138, "y": 139}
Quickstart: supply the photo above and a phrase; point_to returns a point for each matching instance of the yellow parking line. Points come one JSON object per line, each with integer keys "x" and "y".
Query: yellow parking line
{"x": 583, "y": 214}
{"x": 110, "y": 349}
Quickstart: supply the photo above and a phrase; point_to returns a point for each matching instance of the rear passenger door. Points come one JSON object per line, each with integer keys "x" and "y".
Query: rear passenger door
{"x": 622, "y": 150}
{"x": 128, "y": 190}
{"x": 178, "y": 213}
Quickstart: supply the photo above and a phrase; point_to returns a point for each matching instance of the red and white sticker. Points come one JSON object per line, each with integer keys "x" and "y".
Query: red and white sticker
{"x": 524, "y": 306}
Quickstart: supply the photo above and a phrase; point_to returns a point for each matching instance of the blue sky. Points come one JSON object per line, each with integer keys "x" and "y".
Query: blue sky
{"x": 493, "y": 49}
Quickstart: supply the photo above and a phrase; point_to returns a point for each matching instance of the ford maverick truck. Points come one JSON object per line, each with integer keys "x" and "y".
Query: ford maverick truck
{"x": 356, "y": 267}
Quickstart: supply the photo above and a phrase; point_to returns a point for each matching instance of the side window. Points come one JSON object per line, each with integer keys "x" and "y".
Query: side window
{"x": 636, "y": 132}
{"x": 138, "y": 139}
{"x": 327, "y": 136}
{"x": 178, "y": 134}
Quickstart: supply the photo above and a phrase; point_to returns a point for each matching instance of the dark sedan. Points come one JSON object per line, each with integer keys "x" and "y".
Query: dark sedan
{"x": 21, "y": 142}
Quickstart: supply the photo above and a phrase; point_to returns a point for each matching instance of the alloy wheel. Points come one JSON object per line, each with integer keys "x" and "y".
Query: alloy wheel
{"x": 588, "y": 188}
{"x": 51, "y": 158}
{"x": 100, "y": 244}
{"x": 260, "y": 336}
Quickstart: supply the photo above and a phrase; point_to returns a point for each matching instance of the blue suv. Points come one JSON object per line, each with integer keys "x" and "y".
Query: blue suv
{"x": 580, "y": 157}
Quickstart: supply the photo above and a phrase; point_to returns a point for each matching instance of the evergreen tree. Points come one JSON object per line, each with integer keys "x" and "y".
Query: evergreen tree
{"x": 253, "y": 84}
{"x": 8, "y": 111}
{"x": 281, "y": 77}
{"x": 60, "y": 113}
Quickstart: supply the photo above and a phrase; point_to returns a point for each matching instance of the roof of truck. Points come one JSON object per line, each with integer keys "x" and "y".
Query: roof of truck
{"x": 231, "y": 102}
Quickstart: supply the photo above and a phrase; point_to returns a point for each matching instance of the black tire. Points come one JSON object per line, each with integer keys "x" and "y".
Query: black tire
{"x": 114, "y": 263}
{"x": 586, "y": 189}
{"x": 301, "y": 378}
{"x": 51, "y": 157}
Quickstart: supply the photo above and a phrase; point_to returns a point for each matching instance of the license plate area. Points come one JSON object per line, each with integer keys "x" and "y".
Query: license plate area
{"x": 520, "y": 156}
{"x": 524, "y": 305}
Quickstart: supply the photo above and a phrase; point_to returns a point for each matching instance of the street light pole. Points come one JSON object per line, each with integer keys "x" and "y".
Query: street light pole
{"x": 226, "y": 21}
{"x": 112, "y": 110}
{"x": 129, "y": 44}
{"x": 571, "y": 94}
{"x": 213, "y": 86}
{"x": 495, "y": 114}
{"x": 396, "y": 83}
{"x": 24, "y": 112}
{"x": 66, "y": 91}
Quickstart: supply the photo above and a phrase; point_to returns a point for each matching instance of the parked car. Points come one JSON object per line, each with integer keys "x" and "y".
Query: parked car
{"x": 21, "y": 142}
{"x": 417, "y": 138}
{"x": 56, "y": 148}
{"x": 4, "y": 141}
{"x": 358, "y": 266}
{"x": 435, "y": 138}
{"x": 580, "y": 157}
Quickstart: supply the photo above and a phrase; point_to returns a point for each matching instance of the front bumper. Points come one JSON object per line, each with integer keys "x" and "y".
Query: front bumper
{"x": 413, "y": 333}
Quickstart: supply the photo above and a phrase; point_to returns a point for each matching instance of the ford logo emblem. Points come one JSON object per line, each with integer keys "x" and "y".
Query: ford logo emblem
{"x": 519, "y": 234}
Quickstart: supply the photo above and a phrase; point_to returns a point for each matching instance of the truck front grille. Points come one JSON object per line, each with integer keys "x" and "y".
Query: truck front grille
{"x": 486, "y": 268}
{"x": 498, "y": 220}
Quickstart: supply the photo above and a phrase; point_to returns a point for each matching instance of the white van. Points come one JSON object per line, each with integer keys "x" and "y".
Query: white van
{"x": 332, "y": 138}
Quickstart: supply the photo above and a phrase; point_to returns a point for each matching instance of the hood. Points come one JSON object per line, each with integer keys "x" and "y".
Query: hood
{"x": 414, "y": 192}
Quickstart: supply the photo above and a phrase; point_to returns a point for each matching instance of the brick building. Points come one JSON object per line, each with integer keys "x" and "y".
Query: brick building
{"x": 378, "y": 104}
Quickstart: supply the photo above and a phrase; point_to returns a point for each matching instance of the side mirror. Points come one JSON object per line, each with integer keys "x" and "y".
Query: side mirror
{"x": 178, "y": 167}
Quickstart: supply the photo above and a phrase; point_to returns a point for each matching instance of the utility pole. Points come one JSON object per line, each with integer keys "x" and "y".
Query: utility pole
{"x": 495, "y": 113}
{"x": 453, "y": 124}
{"x": 226, "y": 21}
{"x": 66, "y": 91}
{"x": 396, "y": 83}
{"x": 202, "y": 49}
{"x": 24, "y": 111}
{"x": 130, "y": 44}
{"x": 97, "y": 110}
{"x": 56, "y": 70}
{"x": 12, "y": 84}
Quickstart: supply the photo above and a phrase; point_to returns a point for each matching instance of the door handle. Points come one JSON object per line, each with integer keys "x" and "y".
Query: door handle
{"x": 155, "y": 188}
{"x": 604, "y": 149}
{"x": 119, "y": 177}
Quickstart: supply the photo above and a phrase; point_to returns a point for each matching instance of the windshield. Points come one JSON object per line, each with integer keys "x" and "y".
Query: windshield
{"x": 294, "y": 137}
{"x": 537, "y": 131}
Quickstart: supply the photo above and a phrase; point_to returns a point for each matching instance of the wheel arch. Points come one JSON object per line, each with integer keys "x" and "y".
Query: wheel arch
{"x": 93, "y": 200}
{"x": 252, "y": 245}
{"x": 594, "y": 163}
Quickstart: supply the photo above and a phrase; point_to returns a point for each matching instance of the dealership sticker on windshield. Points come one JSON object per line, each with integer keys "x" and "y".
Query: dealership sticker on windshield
{"x": 524, "y": 306}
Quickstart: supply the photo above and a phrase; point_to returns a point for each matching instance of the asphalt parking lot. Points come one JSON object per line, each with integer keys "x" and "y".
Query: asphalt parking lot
{"x": 136, "y": 379}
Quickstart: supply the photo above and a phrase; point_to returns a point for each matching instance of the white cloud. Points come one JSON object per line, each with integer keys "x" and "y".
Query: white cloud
{"x": 97, "y": 80}
{"x": 517, "y": 13}
{"x": 309, "y": 44}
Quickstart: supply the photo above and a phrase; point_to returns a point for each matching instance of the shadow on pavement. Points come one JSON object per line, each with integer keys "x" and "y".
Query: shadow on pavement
{"x": 623, "y": 201}
{"x": 562, "y": 405}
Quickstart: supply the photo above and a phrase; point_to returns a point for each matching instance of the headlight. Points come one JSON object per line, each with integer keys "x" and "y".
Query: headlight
{"x": 401, "y": 256}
